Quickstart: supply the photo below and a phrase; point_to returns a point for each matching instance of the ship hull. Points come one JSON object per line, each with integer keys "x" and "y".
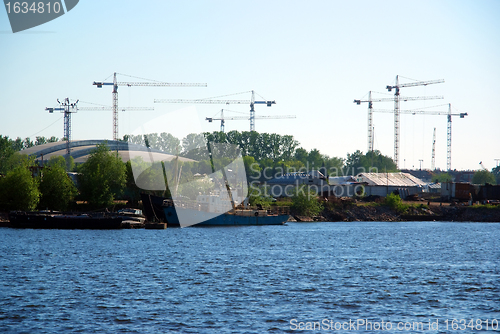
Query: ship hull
{"x": 225, "y": 219}
{"x": 156, "y": 210}
{"x": 39, "y": 220}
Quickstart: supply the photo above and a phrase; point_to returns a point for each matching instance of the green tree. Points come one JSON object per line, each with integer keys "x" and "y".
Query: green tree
{"x": 6, "y": 151}
{"x": 19, "y": 190}
{"x": 42, "y": 140}
{"x": 258, "y": 196}
{"x": 372, "y": 161}
{"x": 102, "y": 177}
{"x": 252, "y": 168}
{"x": 18, "y": 144}
{"x": 442, "y": 177}
{"x": 333, "y": 166}
{"x": 27, "y": 143}
{"x": 483, "y": 177}
{"x": 301, "y": 155}
{"x": 18, "y": 159}
{"x": 194, "y": 146}
{"x": 56, "y": 188}
{"x": 305, "y": 202}
{"x": 66, "y": 163}
{"x": 315, "y": 159}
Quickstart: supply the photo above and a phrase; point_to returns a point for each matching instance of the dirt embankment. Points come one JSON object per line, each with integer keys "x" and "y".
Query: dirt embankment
{"x": 471, "y": 214}
{"x": 352, "y": 211}
{"x": 360, "y": 213}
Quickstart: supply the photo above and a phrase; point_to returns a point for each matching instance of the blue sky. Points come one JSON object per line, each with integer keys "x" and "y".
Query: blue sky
{"x": 313, "y": 58}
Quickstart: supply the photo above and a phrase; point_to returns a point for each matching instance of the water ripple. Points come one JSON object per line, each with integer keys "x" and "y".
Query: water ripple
{"x": 246, "y": 279}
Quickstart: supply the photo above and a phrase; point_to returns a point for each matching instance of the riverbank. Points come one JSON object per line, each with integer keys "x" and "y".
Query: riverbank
{"x": 372, "y": 211}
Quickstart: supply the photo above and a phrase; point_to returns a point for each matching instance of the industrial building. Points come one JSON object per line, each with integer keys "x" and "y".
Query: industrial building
{"x": 367, "y": 184}
{"x": 81, "y": 150}
{"x": 382, "y": 184}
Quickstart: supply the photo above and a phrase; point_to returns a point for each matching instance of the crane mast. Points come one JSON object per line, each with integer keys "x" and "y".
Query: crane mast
{"x": 433, "y": 157}
{"x": 397, "y": 99}
{"x": 251, "y": 102}
{"x": 67, "y": 108}
{"x": 448, "y": 114}
{"x": 371, "y": 110}
{"x": 117, "y": 83}
{"x": 222, "y": 119}
{"x": 448, "y": 138}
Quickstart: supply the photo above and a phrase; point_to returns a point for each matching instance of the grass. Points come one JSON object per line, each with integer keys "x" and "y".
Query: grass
{"x": 485, "y": 206}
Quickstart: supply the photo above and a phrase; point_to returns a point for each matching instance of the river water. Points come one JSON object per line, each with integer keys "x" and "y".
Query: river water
{"x": 253, "y": 279}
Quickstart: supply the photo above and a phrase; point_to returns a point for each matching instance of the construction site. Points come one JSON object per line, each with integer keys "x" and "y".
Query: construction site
{"x": 408, "y": 183}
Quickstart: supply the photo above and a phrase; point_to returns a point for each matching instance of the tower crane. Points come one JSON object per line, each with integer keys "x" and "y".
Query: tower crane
{"x": 448, "y": 132}
{"x": 150, "y": 83}
{"x": 107, "y": 108}
{"x": 433, "y": 157}
{"x": 222, "y": 119}
{"x": 385, "y": 99}
{"x": 397, "y": 99}
{"x": 251, "y": 102}
{"x": 67, "y": 108}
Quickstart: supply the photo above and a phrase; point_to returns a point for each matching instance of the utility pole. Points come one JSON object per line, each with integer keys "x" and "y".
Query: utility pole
{"x": 67, "y": 108}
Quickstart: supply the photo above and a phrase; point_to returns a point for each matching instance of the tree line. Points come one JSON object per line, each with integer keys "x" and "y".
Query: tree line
{"x": 10, "y": 146}
{"x": 266, "y": 150}
{"x": 262, "y": 150}
{"x": 104, "y": 177}
{"x": 28, "y": 186}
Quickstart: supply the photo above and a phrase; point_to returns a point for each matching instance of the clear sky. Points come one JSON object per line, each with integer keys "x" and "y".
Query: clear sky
{"x": 312, "y": 57}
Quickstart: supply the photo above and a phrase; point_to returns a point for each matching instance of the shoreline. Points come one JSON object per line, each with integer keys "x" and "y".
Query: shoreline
{"x": 371, "y": 212}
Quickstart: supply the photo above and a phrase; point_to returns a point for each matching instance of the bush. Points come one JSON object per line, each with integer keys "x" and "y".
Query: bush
{"x": 396, "y": 203}
{"x": 305, "y": 202}
{"x": 258, "y": 196}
